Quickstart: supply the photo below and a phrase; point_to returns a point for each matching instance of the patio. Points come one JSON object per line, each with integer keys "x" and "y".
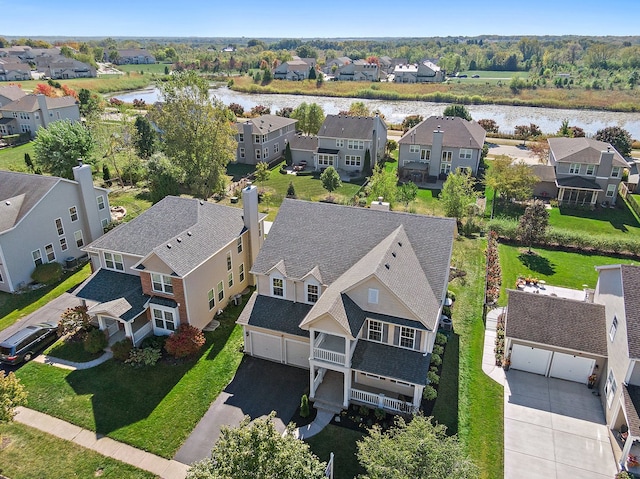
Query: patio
{"x": 542, "y": 288}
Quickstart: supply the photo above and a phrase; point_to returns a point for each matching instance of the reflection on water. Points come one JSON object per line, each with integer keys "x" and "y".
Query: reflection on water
{"x": 507, "y": 117}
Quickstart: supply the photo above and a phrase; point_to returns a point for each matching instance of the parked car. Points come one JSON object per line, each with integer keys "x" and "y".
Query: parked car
{"x": 475, "y": 76}
{"x": 27, "y": 343}
{"x": 462, "y": 76}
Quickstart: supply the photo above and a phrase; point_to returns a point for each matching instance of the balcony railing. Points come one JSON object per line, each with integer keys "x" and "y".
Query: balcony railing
{"x": 329, "y": 356}
{"x": 382, "y": 401}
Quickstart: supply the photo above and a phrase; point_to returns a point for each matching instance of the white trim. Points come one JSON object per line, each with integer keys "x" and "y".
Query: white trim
{"x": 369, "y": 330}
{"x": 163, "y": 310}
{"x": 53, "y": 252}
{"x": 37, "y": 258}
{"x": 114, "y": 261}
{"x": 274, "y": 277}
{"x": 164, "y": 284}
{"x": 103, "y": 203}
{"x": 211, "y": 298}
{"x": 78, "y": 240}
{"x": 220, "y": 291}
{"x": 74, "y": 207}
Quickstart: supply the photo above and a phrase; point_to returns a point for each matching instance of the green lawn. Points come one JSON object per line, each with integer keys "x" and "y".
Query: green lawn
{"x": 557, "y": 268}
{"x": 15, "y": 306}
{"x": 135, "y": 200}
{"x": 342, "y": 442}
{"x": 151, "y": 408}
{"x": 27, "y": 453}
{"x": 13, "y": 158}
{"x": 618, "y": 221}
{"x": 157, "y": 68}
{"x": 445, "y": 410}
{"x": 71, "y": 351}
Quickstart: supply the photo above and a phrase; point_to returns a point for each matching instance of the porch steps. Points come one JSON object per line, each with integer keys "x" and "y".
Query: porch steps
{"x": 329, "y": 407}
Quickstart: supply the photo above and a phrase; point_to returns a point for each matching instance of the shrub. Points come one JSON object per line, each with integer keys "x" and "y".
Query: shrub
{"x": 429, "y": 393}
{"x": 363, "y": 410}
{"x": 380, "y": 414}
{"x": 153, "y": 342}
{"x": 436, "y": 360}
{"x": 451, "y": 295}
{"x": 433, "y": 377}
{"x": 441, "y": 338}
{"x": 95, "y": 341}
{"x": 437, "y": 349}
{"x": 304, "y": 406}
{"x": 143, "y": 357}
{"x": 185, "y": 342}
{"x": 73, "y": 319}
{"x": 122, "y": 349}
{"x": 47, "y": 273}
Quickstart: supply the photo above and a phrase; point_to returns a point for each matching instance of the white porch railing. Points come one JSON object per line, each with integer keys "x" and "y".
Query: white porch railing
{"x": 329, "y": 356}
{"x": 382, "y": 401}
{"x": 142, "y": 333}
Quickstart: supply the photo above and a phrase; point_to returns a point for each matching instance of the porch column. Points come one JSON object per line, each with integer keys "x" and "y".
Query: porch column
{"x": 560, "y": 195}
{"x": 128, "y": 332}
{"x": 312, "y": 375}
{"x": 594, "y": 197}
{"x": 347, "y": 359}
{"x": 347, "y": 388}
{"x": 626, "y": 449}
{"x": 101, "y": 323}
{"x": 417, "y": 396}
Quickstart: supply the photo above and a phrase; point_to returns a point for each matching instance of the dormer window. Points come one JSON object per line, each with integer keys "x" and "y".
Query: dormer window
{"x": 375, "y": 331}
{"x": 277, "y": 287}
{"x": 312, "y": 293}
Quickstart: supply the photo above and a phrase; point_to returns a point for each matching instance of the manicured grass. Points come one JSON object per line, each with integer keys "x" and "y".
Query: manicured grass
{"x": 102, "y": 84}
{"x": 71, "y": 351}
{"x": 135, "y": 200}
{"x": 557, "y": 268}
{"x": 427, "y": 203}
{"x": 15, "y": 306}
{"x": 445, "y": 411}
{"x": 152, "y": 408}
{"x": 342, "y": 442}
{"x": 157, "y": 68}
{"x": 13, "y": 158}
{"x": 29, "y": 453}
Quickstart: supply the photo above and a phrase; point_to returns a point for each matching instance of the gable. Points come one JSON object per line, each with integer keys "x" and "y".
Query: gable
{"x": 327, "y": 324}
{"x": 388, "y": 302}
{"x": 155, "y": 264}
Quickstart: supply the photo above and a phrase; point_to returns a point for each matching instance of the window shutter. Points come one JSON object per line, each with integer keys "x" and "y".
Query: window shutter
{"x": 396, "y": 335}
{"x": 385, "y": 333}
{"x": 365, "y": 330}
{"x": 416, "y": 344}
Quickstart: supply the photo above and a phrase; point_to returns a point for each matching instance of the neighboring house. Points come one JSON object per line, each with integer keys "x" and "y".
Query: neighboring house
{"x": 9, "y": 94}
{"x": 131, "y": 56}
{"x": 425, "y": 72}
{"x": 11, "y": 70}
{"x": 16, "y": 62}
{"x": 303, "y": 149}
{"x": 60, "y": 67}
{"x": 587, "y": 171}
{"x": 439, "y": 145}
{"x": 228, "y": 49}
{"x": 45, "y": 219}
{"x": 332, "y": 66}
{"x": 344, "y": 140}
{"x": 30, "y": 112}
{"x": 294, "y": 70}
{"x": 179, "y": 262}
{"x": 546, "y": 186}
{"x": 360, "y": 311}
{"x": 263, "y": 138}
{"x": 358, "y": 70}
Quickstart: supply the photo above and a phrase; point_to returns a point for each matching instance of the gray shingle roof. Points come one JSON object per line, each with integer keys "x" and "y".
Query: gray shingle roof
{"x": 631, "y": 399}
{"x": 266, "y": 123}
{"x": 560, "y": 322}
{"x": 275, "y": 314}
{"x": 582, "y": 150}
{"x": 631, "y": 291}
{"x": 391, "y": 361}
{"x": 29, "y": 103}
{"x": 356, "y": 127}
{"x": 457, "y": 132}
{"x": 545, "y": 172}
{"x": 578, "y": 182}
{"x": 12, "y": 92}
{"x": 300, "y": 142}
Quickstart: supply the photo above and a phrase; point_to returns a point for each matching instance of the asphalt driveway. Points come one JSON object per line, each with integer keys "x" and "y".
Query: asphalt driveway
{"x": 258, "y": 388}
{"x": 554, "y": 429}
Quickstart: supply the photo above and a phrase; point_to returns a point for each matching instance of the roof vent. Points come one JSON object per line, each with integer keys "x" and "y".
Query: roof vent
{"x": 393, "y": 254}
{"x": 8, "y": 203}
{"x": 189, "y": 233}
{"x": 169, "y": 245}
{"x": 179, "y": 240}
{"x": 400, "y": 244}
{"x": 202, "y": 202}
{"x": 386, "y": 265}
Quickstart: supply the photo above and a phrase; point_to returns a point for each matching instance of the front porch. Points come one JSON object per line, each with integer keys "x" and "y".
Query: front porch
{"x": 118, "y": 329}
{"x": 577, "y": 191}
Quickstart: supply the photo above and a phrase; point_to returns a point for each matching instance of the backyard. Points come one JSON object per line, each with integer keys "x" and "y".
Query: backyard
{"x": 13, "y": 158}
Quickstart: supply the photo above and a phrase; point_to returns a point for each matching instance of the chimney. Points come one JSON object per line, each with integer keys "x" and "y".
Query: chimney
{"x": 251, "y": 221}
{"x": 380, "y": 205}
{"x": 436, "y": 149}
{"x": 89, "y": 207}
{"x": 44, "y": 110}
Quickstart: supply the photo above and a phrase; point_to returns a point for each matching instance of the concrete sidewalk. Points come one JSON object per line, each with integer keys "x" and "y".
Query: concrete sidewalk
{"x": 164, "y": 468}
{"x": 64, "y": 364}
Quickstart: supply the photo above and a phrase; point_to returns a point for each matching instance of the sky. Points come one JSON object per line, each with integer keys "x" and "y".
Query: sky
{"x": 317, "y": 19}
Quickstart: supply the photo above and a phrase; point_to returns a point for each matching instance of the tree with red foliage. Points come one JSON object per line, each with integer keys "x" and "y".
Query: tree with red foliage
{"x": 373, "y": 59}
{"x": 186, "y": 341}
{"x": 44, "y": 89}
{"x": 69, "y": 91}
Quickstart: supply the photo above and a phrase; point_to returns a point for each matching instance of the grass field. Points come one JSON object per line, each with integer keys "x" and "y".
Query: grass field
{"x": 13, "y": 158}
{"x": 135, "y": 200}
{"x": 342, "y": 442}
{"x": 155, "y": 68}
{"x": 102, "y": 84}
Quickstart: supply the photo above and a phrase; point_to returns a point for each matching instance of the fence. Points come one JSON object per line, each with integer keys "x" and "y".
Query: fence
{"x": 631, "y": 201}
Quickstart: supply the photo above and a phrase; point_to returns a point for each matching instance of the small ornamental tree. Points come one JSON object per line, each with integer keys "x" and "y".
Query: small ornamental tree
{"x": 490, "y": 126}
{"x": 457, "y": 110}
{"x": 533, "y": 223}
{"x": 291, "y": 190}
{"x": 237, "y": 109}
{"x": 106, "y": 175}
{"x": 262, "y": 172}
{"x": 411, "y": 121}
{"x": 366, "y": 168}
{"x": 186, "y": 341}
{"x": 407, "y": 193}
{"x": 28, "y": 162}
{"x": 391, "y": 146}
{"x": 304, "y": 406}
{"x": 95, "y": 341}
{"x": 330, "y": 179}
{"x": 12, "y": 395}
{"x": 73, "y": 319}
{"x": 288, "y": 156}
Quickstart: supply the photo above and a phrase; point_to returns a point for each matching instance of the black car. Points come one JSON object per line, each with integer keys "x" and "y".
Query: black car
{"x": 475, "y": 76}
{"x": 27, "y": 343}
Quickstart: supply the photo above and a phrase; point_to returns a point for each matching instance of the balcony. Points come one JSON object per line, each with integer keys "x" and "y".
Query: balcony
{"x": 379, "y": 400}
{"x": 329, "y": 348}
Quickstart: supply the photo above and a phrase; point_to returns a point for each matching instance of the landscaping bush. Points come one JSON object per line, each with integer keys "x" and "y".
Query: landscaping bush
{"x": 186, "y": 341}
{"x": 304, "y": 406}
{"x": 429, "y": 393}
{"x": 441, "y": 339}
{"x": 433, "y": 377}
{"x": 74, "y": 319}
{"x": 95, "y": 341}
{"x": 437, "y": 349}
{"x": 436, "y": 360}
{"x": 47, "y": 273}
{"x": 363, "y": 410}
{"x": 156, "y": 342}
{"x": 143, "y": 357}
{"x": 380, "y": 414}
{"x": 122, "y": 349}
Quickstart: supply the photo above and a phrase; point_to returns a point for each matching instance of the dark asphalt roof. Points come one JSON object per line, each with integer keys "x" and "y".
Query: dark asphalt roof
{"x": 300, "y": 142}
{"x": 395, "y": 320}
{"x": 275, "y": 314}
{"x": 457, "y": 132}
{"x": 631, "y": 292}
{"x": 545, "y": 172}
{"x": 170, "y": 303}
{"x": 578, "y": 182}
{"x": 391, "y": 361}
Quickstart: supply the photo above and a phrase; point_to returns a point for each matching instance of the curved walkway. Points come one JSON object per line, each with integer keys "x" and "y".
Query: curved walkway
{"x": 64, "y": 364}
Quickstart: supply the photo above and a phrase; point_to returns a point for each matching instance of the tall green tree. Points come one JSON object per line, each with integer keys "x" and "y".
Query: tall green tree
{"x": 300, "y": 114}
{"x": 59, "y": 146}
{"x": 358, "y": 108}
{"x": 510, "y": 179}
{"x": 366, "y": 167}
{"x": 256, "y": 450}
{"x": 197, "y": 132}
{"x": 164, "y": 178}
{"x": 407, "y": 192}
{"x": 533, "y": 224}
{"x": 312, "y": 73}
{"x": 619, "y": 138}
{"x": 415, "y": 450}
{"x": 383, "y": 184}
{"x": 457, "y": 110}
{"x": 288, "y": 156}
{"x": 145, "y": 137}
{"x": 330, "y": 179}
{"x": 315, "y": 118}
{"x": 262, "y": 172}
{"x": 458, "y": 195}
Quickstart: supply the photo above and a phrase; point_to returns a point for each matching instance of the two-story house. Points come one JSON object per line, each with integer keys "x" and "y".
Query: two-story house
{"x": 294, "y": 70}
{"x": 344, "y": 140}
{"x": 424, "y": 72}
{"x": 129, "y": 56}
{"x": 587, "y": 171}
{"x": 358, "y": 70}
{"x": 181, "y": 261}
{"x": 10, "y": 93}
{"x": 61, "y": 67}
{"x": 331, "y": 66}
{"x": 30, "y": 112}
{"x": 263, "y": 138}
{"x": 359, "y": 310}
{"x": 45, "y": 219}
{"x": 439, "y": 145}
{"x": 12, "y": 69}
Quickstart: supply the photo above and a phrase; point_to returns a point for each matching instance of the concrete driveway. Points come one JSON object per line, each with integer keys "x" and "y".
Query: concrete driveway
{"x": 554, "y": 429}
{"x": 258, "y": 388}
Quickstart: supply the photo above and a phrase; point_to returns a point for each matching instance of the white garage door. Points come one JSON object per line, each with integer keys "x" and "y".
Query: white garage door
{"x": 297, "y": 353}
{"x": 266, "y": 346}
{"x": 571, "y": 368}
{"x": 532, "y": 360}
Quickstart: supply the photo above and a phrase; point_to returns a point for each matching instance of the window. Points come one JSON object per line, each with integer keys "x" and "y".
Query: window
{"x": 63, "y": 244}
{"x": 1, "y": 279}
{"x": 113, "y": 261}
{"x": 400, "y": 383}
{"x": 48, "y": 251}
{"x": 258, "y": 154}
{"x": 239, "y": 244}
{"x": 425, "y": 155}
{"x": 407, "y": 337}
{"x": 230, "y": 279}
{"x": 241, "y": 152}
{"x": 339, "y": 143}
{"x": 104, "y": 223}
{"x": 265, "y": 153}
{"x": 352, "y": 160}
{"x": 240, "y": 137}
{"x": 414, "y": 148}
{"x": 276, "y": 148}
{"x": 37, "y": 257}
{"x": 164, "y": 319}
{"x": 445, "y": 168}
{"x": 73, "y": 212}
{"x": 615, "y": 172}
{"x": 277, "y": 286}
{"x": 229, "y": 261}
{"x": 325, "y": 160}
{"x": 212, "y": 300}
{"x": 614, "y": 328}
{"x": 312, "y": 293}
{"x": 373, "y": 296}
{"x": 161, "y": 283}
{"x": 591, "y": 170}
{"x": 446, "y": 156}
{"x": 375, "y": 331}
{"x": 79, "y": 239}
{"x": 100, "y": 200}
{"x": 241, "y": 272}
{"x": 220, "y": 291}
{"x": 611, "y": 190}
{"x": 256, "y": 138}
{"x": 465, "y": 153}
{"x": 260, "y": 229}
{"x": 355, "y": 144}
{"x": 574, "y": 168}
{"x": 264, "y": 138}
{"x": 59, "y": 226}
{"x": 610, "y": 388}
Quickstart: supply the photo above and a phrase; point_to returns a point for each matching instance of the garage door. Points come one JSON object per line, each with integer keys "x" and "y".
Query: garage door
{"x": 571, "y": 368}
{"x": 297, "y": 353}
{"x": 531, "y": 360}
{"x": 266, "y": 346}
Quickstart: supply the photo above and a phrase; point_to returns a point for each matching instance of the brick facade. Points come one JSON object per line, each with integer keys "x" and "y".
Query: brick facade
{"x": 178, "y": 294}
